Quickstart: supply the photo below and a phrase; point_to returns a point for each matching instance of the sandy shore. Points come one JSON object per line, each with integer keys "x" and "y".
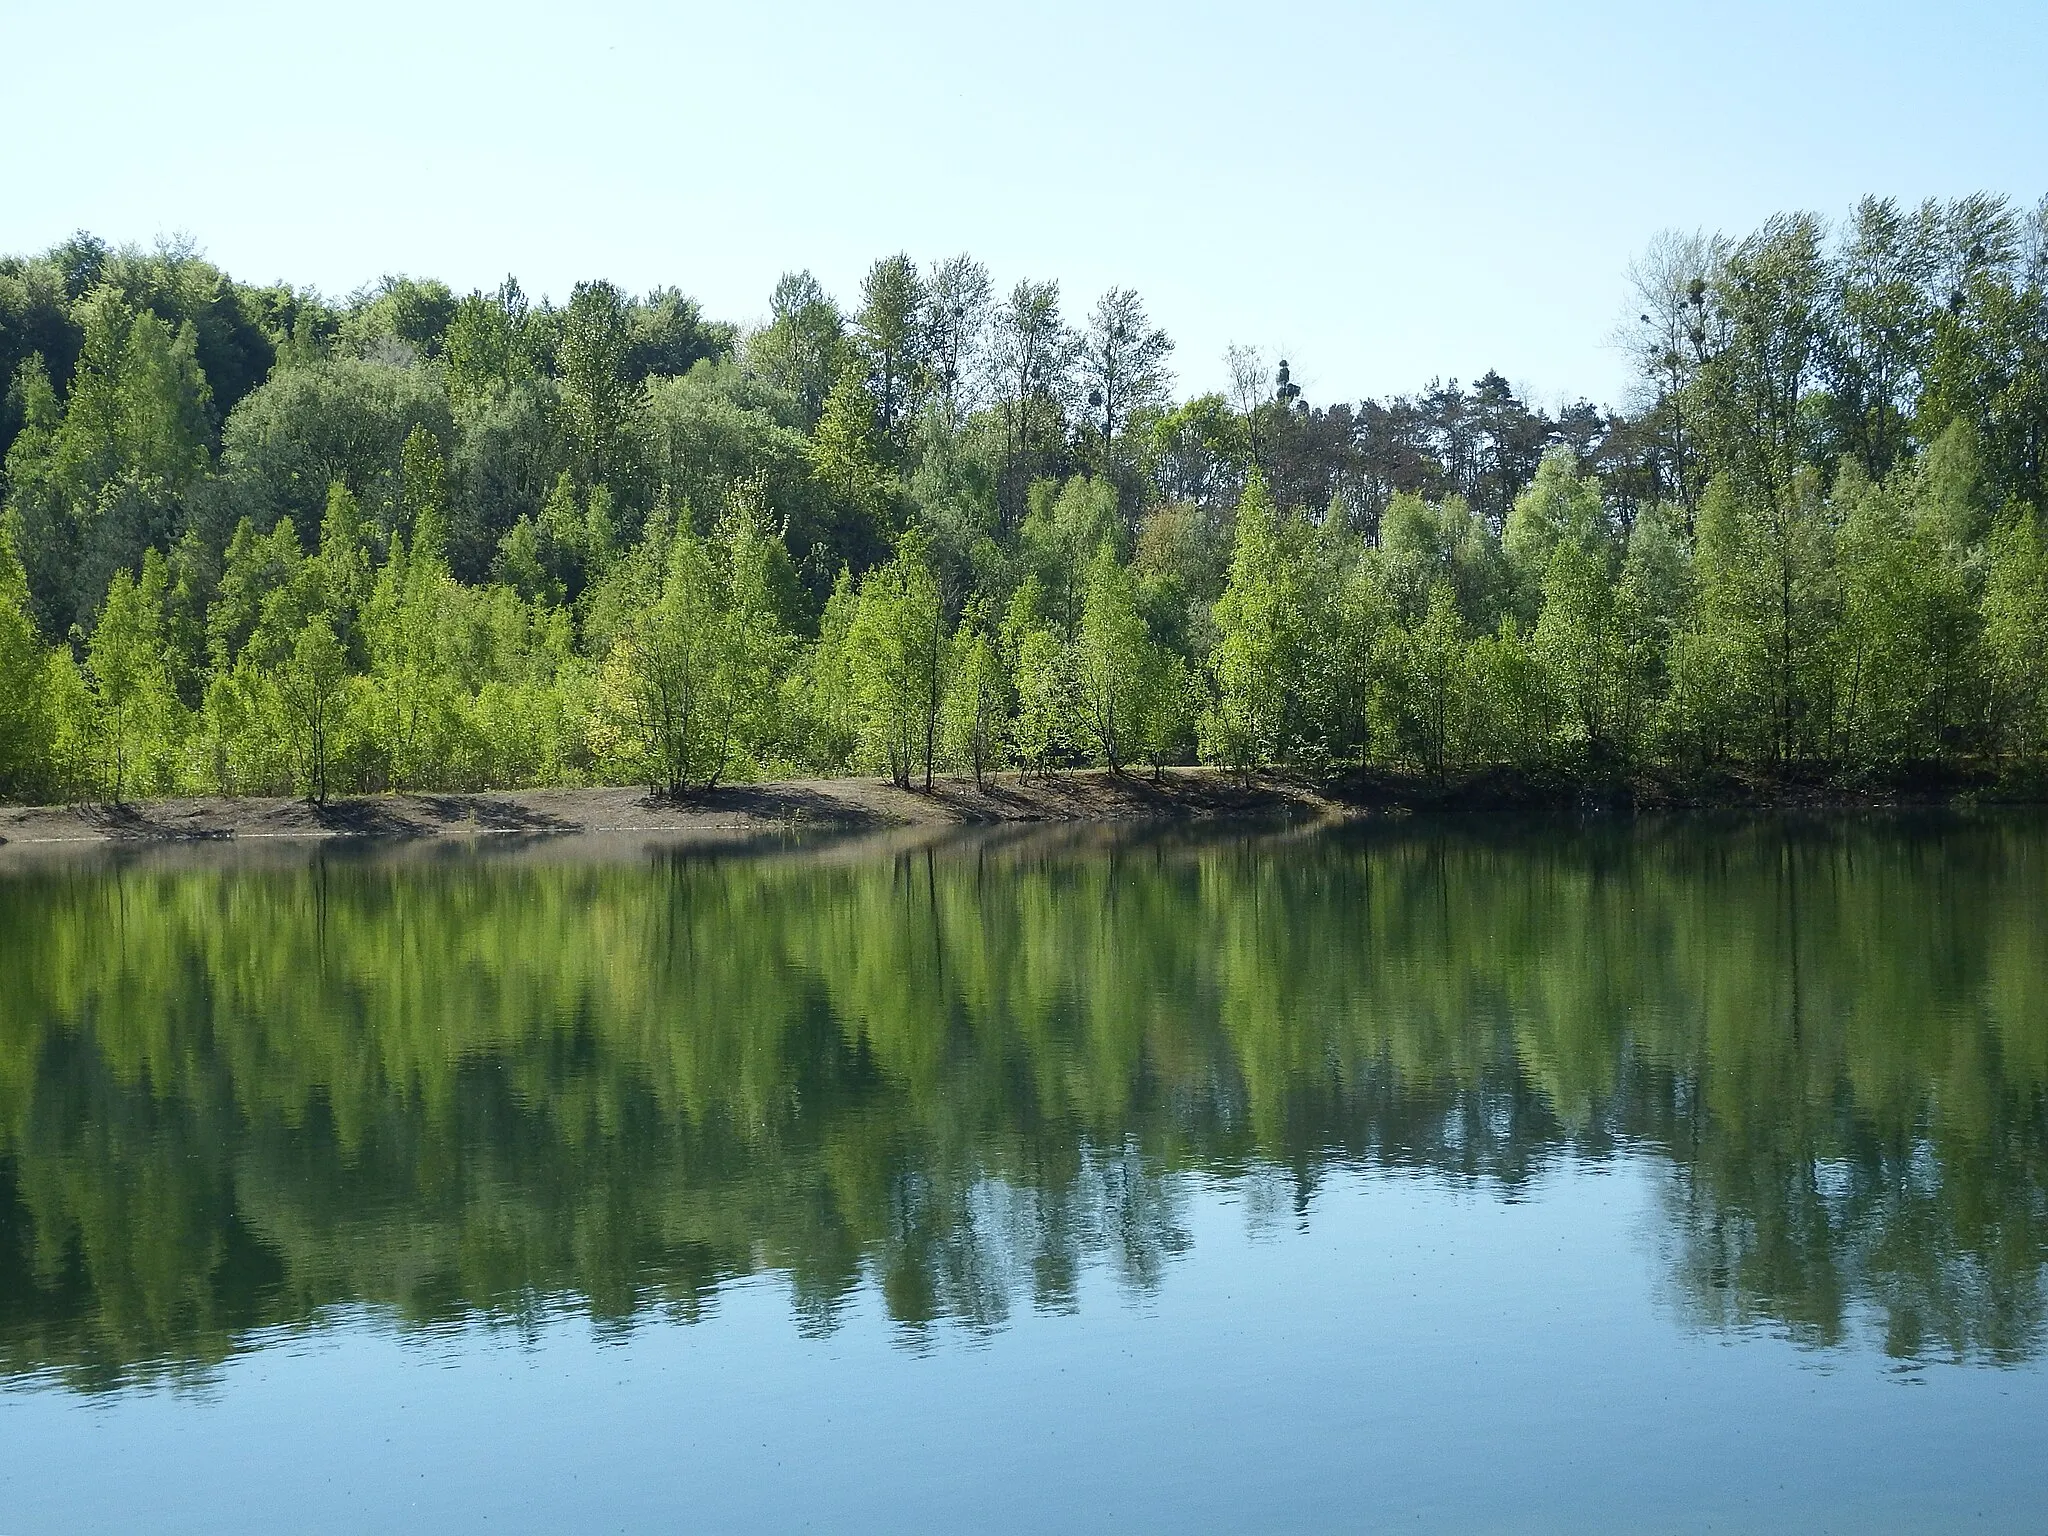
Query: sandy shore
{"x": 811, "y": 805}
{"x": 867, "y": 805}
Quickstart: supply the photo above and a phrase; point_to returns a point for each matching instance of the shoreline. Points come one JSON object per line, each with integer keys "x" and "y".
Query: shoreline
{"x": 858, "y": 805}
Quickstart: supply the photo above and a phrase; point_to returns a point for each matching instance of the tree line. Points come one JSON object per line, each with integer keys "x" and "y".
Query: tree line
{"x": 257, "y": 541}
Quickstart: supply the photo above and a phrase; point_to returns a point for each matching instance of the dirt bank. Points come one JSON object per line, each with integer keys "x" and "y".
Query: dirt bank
{"x": 866, "y": 805}
{"x": 823, "y": 805}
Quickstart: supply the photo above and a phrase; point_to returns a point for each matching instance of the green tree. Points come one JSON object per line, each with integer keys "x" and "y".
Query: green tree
{"x": 825, "y": 689}
{"x": 600, "y": 403}
{"x": 1559, "y": 507}
{"x": 1172, "y": 711}
{"x": 690, "y": 688}
{"x": 801, "y": 349}
{"x": 1067, "y": 523}
{"x": 1752, "y": 668}
{"x": 139, "y": 712}
{"x": 1345, "y": 608}
{"x": 312, "y": 687}
{"x": 847, "y": 453}
{"x": 2016, "y": 633}
{"x": 890, "y": 337}
{"x": 900, "y": 660}
{"x": 1255, "y": 655}
{"x": 99, "y": 482}
{"x": 1048, "y": 713}
{"x": 761, "y": 584}
{"x": 1578, "y": 645}
{"x": 77, "y": 729}
{"x": 977, "y": 718}
{"x": 1655, "y": 587}
{"x": 1113, "y": 661}
{"x": 1753, "y": 387}
{"x": 1032, "y": 358}
{"x": 343, "y": 418}
{"x": 1424, "y": 682}
{"x": 255, "y": 567}
{"x": 25, "y": 725}
{"x": 1121, "y": 360}
{"x": 487, "y": 349}
{"x": 667, "y": 705}
{"x": 1907, "y": 634}
{"x": 412, "y": 695}
{"x": 39, "y": 505}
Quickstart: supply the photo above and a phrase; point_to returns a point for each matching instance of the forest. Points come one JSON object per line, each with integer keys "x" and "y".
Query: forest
{"x": 257, "y": 541}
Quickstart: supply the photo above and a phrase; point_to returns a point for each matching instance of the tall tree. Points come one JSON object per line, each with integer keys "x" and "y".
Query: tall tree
{"x": 1113, "y": 659}
{"x": 312, "y": 685}
{"x": 978, "y": 699}
{"x": 1121, "y": 359}
{"x": 1255, "y": 655}
{"x": 599, "y": 399}
{"x": 958, "y": 305}
{"x": 2015, "y": 622}
{"x": 901, "y": 660}
{"x": 25, "y": 726}
{"x": 1773, "y": 289}
{"x": 1033, "y": 357}
{"x": 136, "y": 704}
{"x": 891, "y": 340}
{"x": 802, "y": 348}
{"x": 667, "y": 704}
{"x": 1676, "y": 330}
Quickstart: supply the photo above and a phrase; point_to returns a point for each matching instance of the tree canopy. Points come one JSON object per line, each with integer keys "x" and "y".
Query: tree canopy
{"x": 951, "y": 529}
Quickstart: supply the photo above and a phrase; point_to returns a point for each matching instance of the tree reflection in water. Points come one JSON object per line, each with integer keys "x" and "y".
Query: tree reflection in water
{"x": 236, "y": 1092}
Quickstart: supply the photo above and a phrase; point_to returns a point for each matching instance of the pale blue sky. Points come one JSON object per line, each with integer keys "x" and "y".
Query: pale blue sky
{"x": 1387, "y": 193}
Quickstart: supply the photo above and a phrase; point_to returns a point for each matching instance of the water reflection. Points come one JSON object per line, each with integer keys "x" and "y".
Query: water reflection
{"x": 238, "y": 1093}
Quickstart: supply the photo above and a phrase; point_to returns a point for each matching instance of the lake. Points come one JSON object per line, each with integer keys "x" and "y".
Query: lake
{"x": 1684, "y": 1174}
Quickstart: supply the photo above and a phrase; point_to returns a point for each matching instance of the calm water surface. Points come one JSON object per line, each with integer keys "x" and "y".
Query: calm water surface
{"x": 1674, "y": 1176}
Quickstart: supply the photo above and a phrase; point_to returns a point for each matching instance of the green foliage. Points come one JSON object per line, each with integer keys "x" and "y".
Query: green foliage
{"x": 801, "y": 350}
{"x": 1114, "y": 662}
{"x": 1508, "y": 708}
{"x": 1256, "y": 654}
{"x": 1426, "y": 683}
{"x": 888, "y": 336}
{"x": 1908, "y": 629}
{"x": 25, "y": 724}
{"x": 96, "y": 482}
{"x": 488, "y": 349}
{"x": 344, "y": 419}
{"x": 2015, "y": 619}
{"x": 689, "y": 690}
{"x": 1560, "y": 508}
{"x": 1754, "y": 665}
{"x": 821, "y": 696}
{"x": 412, "y": 314}
{"x": 1171, "y": 715}
{"x": 975, "y": 730}
{"x": 139, "y": 723}
{"x": 600, "y": 401}
{"x": 848, "y": 459}
{"x": 900, "y": 663}
{"x": 311, "y": 683}
{"x": 1807, "y": 547}
{"x": 1067, "y": 523}
{"x": 413, "y": 695}
{"x": 1578, "y": 643}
